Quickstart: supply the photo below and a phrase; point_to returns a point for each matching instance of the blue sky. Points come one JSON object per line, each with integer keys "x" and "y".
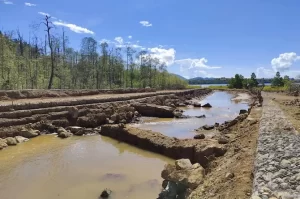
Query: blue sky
{"x": 207, "y": 38}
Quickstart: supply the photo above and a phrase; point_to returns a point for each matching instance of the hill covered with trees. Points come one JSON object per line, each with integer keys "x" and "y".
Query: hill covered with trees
{"x": 50, "y": 62}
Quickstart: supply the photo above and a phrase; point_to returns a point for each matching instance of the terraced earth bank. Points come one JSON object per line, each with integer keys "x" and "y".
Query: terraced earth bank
{"x": 103, "y": 151}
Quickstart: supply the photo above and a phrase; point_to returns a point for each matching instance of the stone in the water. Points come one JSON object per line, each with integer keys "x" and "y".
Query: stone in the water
{"x": 29, "y": 133}
{"x": 207, "y": 105}
{"x": 243, "y": 111}
{"x": 21, "y": 139}
{"x": 201, "y": 116}
{"x": 199, "y": 136}
{"x": 11, "y": 141}
{"x": 3, "y": 143}
{"x": 105, "y": 193}
{"x": 63, "y": 133}
{"x": 208, "y": 127}
{"x": 197, "y": 104}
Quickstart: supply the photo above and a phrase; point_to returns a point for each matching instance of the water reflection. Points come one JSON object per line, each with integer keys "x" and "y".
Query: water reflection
{"x": 223, "y": 109}
{"x": 79, "y": 167}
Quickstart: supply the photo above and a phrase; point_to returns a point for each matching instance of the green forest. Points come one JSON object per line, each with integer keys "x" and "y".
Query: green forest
{"x": 51, "y": 63}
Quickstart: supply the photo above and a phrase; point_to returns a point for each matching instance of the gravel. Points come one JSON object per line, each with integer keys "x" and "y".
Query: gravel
{"x": 277, "y": 164}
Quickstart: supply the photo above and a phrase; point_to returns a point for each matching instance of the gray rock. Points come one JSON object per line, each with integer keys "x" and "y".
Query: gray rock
{"x": 21, "y": 139}
{"x": 183, "y": 164}
{"x": 199, "y": 136}
{"x": 284, "y": 185}
{"x": 11, "y": 141}
{"x": 3, "y": 143}
{"x": 285, "y": 163}
{"x": 207, "y": 105}
{"x": 63, "y": 133}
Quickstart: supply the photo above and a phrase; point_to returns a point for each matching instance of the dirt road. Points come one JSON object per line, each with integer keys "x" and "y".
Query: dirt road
{"x": 87, "y": 97}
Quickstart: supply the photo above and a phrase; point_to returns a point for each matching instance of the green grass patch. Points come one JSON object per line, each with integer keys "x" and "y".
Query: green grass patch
{"x": 219, "y": 87}
{"x": 193, "y": 87}
{"x": 275, "y": 88}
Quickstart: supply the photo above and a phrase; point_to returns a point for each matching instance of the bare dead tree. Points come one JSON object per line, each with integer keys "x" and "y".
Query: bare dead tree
{"x": 49, "y": 26}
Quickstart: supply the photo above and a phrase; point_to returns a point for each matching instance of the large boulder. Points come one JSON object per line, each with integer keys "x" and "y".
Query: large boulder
{"x": 21, "y": 139}
{"x": 153, "y": 110}
{"x": 207, "y": 105}
{"x": 63, "y": 133}
{"x": 3, "y": 143}
{"x": 11, "y": 141}
{"x": 184, "y": 173}
{"x": 29, "y": 133}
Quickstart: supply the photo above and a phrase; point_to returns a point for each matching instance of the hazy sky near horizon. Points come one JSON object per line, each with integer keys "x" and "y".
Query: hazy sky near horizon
{"x": 206, "y": 38}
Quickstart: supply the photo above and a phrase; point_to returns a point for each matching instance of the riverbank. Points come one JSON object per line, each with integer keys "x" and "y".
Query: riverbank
{"x": 210, "y": 153}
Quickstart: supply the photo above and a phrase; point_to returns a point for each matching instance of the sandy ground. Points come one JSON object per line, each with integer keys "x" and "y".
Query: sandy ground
{"x": 291, "y": 112}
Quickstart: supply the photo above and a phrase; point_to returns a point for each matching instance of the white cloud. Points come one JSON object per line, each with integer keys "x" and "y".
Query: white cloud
{"x": 29, "y": 4}
{"x": 8, "y": 2}
{"x": 145, "y": 23}
{"x": 284, "y": 61}
{"x": 105, "y": 41}
{"x": 195, "y": 67}
{"x": 195, "y": 63}
{"x": 44, "y": 13}
{"x": 164, "y": 55}
{"x": 264, "y": 72}
{"x": 73, "y": 27}
{"x": 129, "y": 37}
{"x": 119, "y": 40}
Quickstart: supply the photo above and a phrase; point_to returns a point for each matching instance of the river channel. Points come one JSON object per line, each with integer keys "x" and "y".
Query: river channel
{"x": 225, "y": 106}
{"x": 47, "y": 167}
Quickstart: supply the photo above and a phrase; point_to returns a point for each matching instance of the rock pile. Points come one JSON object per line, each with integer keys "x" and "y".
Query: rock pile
{"x": 277, "y": 166}
{"x": 181, "y": 178}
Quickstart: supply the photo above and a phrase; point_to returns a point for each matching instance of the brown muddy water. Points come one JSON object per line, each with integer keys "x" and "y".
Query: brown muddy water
{"x": 225, "y": 106}
{"x": 47, "y": 167}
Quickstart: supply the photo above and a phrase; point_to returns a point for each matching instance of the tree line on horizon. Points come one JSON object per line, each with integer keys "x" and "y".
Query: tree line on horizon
{"x": 50, "y": 62}
{"x": 239, "y": 82}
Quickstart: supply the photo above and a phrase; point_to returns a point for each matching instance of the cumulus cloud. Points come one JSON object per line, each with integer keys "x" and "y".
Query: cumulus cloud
{"x": 145, "y": 23}
{"x": 284, "y": 61}
{"x": 29, "y": 4}
{"x": 8, "y": 2}
{"x": 195, "y": 67}
{"x": 73, "y": 27}
{"x": 164, "y": 55}
{"x": 119, "y": 40}
{"x": 195, "y": 63}
{"x": 129, "y": 37}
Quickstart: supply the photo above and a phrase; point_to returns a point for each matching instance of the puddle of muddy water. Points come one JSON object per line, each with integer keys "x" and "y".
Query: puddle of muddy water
{"x": 79, "y": 167}
{"x": 225, "y": 106}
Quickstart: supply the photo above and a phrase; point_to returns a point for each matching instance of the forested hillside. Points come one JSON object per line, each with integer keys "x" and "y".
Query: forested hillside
{"x": 51, "y": 62}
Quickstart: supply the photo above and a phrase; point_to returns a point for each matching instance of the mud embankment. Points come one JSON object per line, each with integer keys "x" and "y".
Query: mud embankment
{"x": 88, "y": 112}
{"x": 195, "y": 150}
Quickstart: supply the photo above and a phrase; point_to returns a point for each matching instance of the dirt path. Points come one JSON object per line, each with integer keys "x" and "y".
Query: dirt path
{"x": 277, "y": 167}
{"x": 87, "y": 97}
